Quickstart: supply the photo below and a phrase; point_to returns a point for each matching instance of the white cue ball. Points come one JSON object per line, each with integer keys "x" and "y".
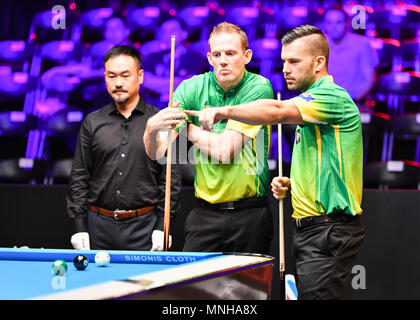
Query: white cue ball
{"x": 102, "y": 259}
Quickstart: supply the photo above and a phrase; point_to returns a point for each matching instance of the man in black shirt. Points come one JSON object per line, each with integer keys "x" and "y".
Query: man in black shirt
{"x": 116, "y": 194}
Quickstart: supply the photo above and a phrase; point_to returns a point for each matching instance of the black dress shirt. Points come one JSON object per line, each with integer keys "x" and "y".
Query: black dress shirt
{"x": 111, "y": 169}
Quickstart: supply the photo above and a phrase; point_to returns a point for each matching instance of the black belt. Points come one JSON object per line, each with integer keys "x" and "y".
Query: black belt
{"x": 256, "y": 202}
{"x": 329, "y": 218}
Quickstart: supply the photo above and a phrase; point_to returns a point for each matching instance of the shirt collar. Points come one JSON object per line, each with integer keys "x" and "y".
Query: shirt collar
{"x": 112, "y": 109}
{"x": 231, "y": 91}
{"x": 321, "y": 82}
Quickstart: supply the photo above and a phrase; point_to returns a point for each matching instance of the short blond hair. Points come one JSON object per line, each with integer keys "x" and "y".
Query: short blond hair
{"x": 226, "y": 27}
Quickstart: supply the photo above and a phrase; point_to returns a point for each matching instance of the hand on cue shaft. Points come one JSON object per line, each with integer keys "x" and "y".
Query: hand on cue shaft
{"x": 280, "y": 186}
{"x": 166, "y": 224}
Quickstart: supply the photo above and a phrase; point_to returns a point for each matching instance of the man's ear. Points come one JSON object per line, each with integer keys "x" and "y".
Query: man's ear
{"x": 248, "y": 56}
{"x": 141, "y": 75}
{"x": 320, "y": 63}
{"x": 209, "y": 59}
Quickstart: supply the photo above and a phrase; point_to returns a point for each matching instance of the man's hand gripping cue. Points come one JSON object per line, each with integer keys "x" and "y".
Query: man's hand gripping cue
{"x": 280, "y": 186}
{"x": 166, "y": 119}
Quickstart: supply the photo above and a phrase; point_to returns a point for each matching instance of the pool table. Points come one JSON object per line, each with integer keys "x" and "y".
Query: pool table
{"x": 27, "y": 274}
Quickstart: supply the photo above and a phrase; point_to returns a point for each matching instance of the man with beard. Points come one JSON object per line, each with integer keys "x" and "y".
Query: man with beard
{"x": 117, "y": 193}
{"x": 327, "y": 161}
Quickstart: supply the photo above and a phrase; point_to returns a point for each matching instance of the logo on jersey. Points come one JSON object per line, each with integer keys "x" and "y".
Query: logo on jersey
{"x": 307, "y": 97}
{"x": 297, "y": 135}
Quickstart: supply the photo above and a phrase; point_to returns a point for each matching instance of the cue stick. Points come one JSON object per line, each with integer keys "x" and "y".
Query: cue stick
{"x": 167, "y": 214}
{"x": 281, "y": 218}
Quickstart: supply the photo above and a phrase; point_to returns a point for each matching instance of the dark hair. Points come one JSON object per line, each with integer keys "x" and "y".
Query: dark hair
{"x": 300, "y": 32}
{"x": 123, "y": 50}
{"x": 307, "y": 30}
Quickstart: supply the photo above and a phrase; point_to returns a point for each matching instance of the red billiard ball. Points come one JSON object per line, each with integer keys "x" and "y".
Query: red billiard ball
{"x": 80, "y": 262}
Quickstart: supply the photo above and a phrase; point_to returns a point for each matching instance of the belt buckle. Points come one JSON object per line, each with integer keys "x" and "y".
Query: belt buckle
{"x": 227, "y": 205}
{"x": 117, "y": 212}
{"x": 303, "y": 222}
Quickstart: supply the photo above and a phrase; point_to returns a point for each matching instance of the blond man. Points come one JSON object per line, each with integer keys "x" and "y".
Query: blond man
{"x": 231, "y": 169}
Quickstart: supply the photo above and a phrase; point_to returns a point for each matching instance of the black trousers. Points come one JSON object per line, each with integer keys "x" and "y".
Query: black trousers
{"x": 247, "y": 230}
{"x": 135, "y": 233}
{"x": 325, "y": 254}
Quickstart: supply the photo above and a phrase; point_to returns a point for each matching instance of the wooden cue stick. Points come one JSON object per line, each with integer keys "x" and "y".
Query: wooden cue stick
{"x": 281, "y": 218}
{"x": 167, "y": 214}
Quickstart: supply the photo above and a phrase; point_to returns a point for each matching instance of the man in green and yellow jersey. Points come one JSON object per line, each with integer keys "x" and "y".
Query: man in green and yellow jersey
{"x": 231, "y": 168}
{"x": 327, "y": 163}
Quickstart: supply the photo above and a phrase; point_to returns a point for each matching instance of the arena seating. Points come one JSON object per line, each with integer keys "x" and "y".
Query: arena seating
{"x": 51, "y": 78}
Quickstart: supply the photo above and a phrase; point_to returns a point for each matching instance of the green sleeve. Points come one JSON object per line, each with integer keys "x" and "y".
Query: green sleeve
{"x": 320, "y": 106}
{"x": 181, "y": 96}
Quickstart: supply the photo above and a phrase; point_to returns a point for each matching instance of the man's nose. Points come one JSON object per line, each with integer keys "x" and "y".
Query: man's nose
{"x": 286, "y": 68}
{"x": 118, "y": 82}
{"x": 223, "y": 59}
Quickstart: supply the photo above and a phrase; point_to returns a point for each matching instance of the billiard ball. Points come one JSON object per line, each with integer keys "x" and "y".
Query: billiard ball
{"x": 59, "y": 267}
{"x": 80, "y": 262}
{"x": 102, "y": 259}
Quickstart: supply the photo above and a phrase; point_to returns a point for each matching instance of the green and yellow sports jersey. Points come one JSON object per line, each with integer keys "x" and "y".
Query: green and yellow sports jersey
{"x": 247, "y": 175}
{"x": 327, "y": 162}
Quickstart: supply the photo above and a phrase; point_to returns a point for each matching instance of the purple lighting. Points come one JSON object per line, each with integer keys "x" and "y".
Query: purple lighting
{"x": 96, "y": 17}
{"x": 53, "y": 76}
{"x": 300, "y": 12}
{"x": 74, "y": 116}
{"x": 151, "y": 12}
{"x": 41, "y": 144}
{"x": 5, "y": 70}
{"x": 17, "y": 116}
{"x": 17, "y": 46}
{"x": 144, "y": 16}
{"x": 377, "y": 44}
{"x": 399, "y": 11}
{"x": 250, "y": 12}
{"x": 270, "y": 44}
{"x": 33, "y": 140}
{"x": 20, "y": 77}
{"x": 201, "y": 12}
{"x": 66, "y": 46}
{"x": 12, "y": 50}
{"x": 102, "y": 13}
{"x": 402, "y": 78}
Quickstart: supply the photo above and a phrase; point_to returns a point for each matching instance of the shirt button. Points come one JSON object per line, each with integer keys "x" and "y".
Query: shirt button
{"x": 118, "y": 192}
{"x": 120, "y": 173}
{"x": 122, "y": 155}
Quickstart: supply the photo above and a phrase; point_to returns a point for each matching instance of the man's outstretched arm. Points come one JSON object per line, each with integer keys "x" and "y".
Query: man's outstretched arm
{"x": 263, "y": 111}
